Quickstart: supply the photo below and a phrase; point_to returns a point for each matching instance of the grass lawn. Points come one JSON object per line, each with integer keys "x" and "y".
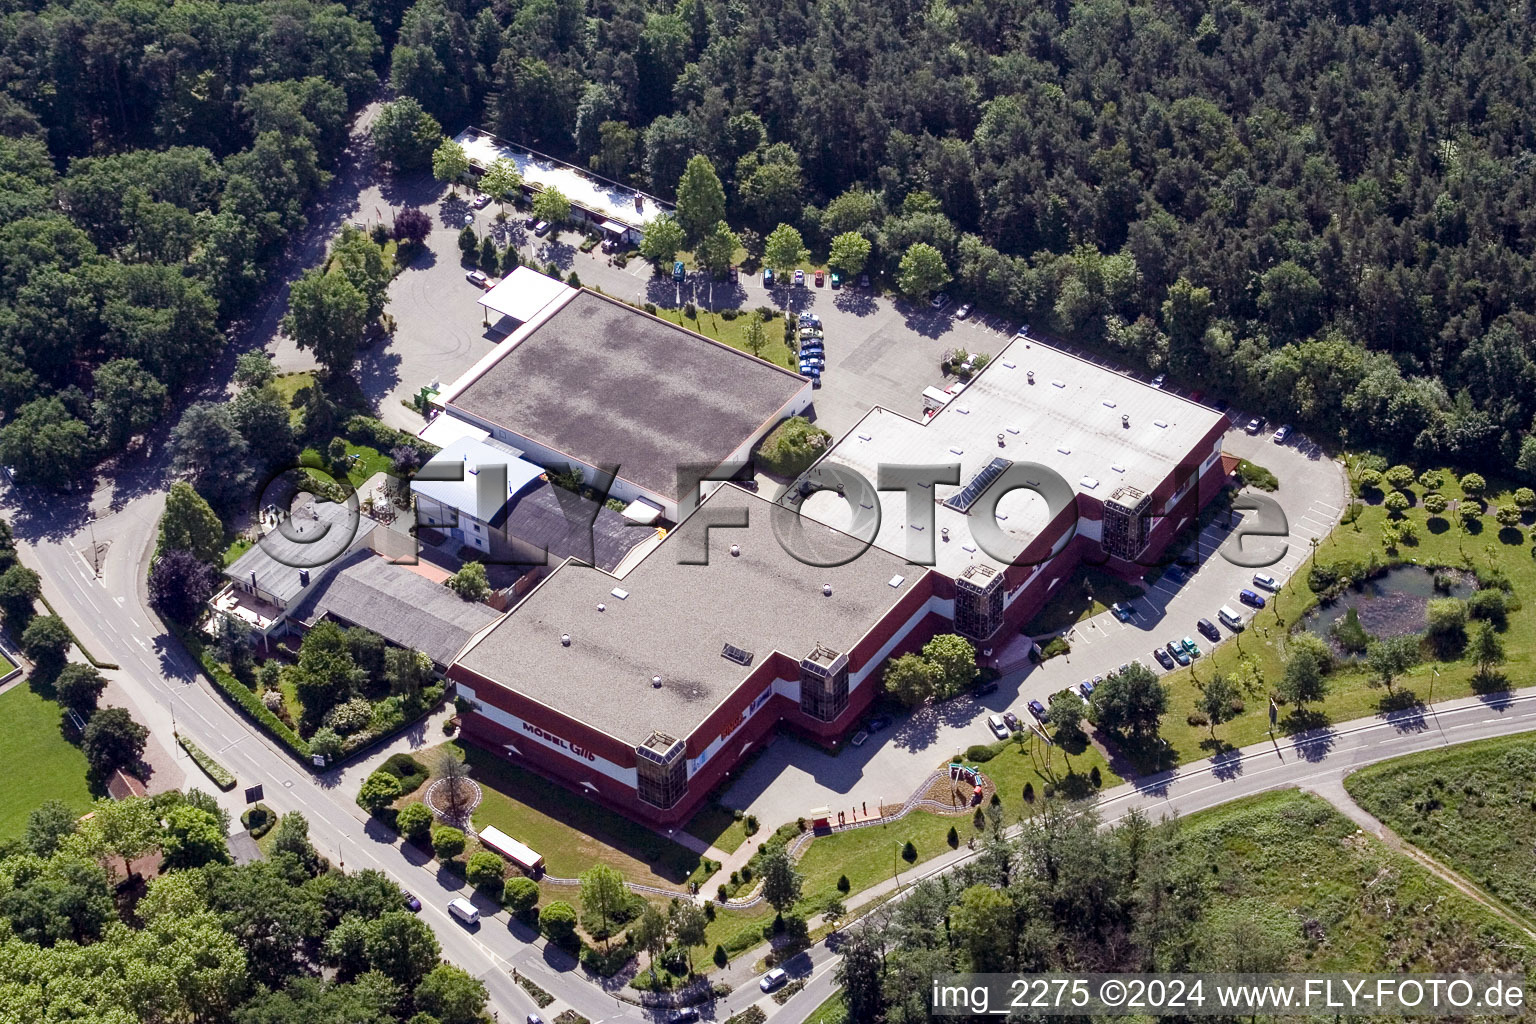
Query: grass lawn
{"x": 288, "y": 385}
{"x": 830, "y": 1012}
{"x": 1472, "y": 807}
{"x": 368, "y": 462}
{"x": 718, "y": 826}
{"x": 1087, "y": 592}
{"x": 237, "y": 547}
{"x": 734, "y": 332}
{"x": 571, "y": 833}
{"x": 6, "y": 665}
{"x": 45, "y": 766}
{"x": 1256, "y": 656}
{"x": 1352, "y": 904}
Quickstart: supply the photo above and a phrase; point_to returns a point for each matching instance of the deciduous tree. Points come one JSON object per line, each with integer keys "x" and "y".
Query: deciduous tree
{"x": 922, "y": 272}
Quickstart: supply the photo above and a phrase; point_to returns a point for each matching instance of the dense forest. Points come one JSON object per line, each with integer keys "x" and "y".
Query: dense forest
{"x": 1272, "y": 884}
{"x": 1322, "y": 207}
{"x": 154, "y": 161}
{"x": 85, "y": 938}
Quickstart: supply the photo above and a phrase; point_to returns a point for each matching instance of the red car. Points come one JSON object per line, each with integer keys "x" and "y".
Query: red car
{"x": 821, "y": 278}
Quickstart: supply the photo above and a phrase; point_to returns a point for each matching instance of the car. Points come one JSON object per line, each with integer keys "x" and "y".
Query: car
{"x": 863, "y": 280}
{"x": 542, "y": 228}
{"x": 1281, "y": 434}
{"x": 1037, "y": 709}
{"x": 1250, "y": 597}
{"x": 1255, "y": 425}
{"x": 799, "y": 279}
{"x": 1176, "y": 574}
{"x": 1221, "y": 405}
{"x": 476, "y": 277}
{"x": 1122, "y": 611}
{"x": 1159, "y": 380}
{"x": 811, "y": 331}
{"x": 985, "y": 687}
{"x": 1177, "y": 652}
{"x": 963, "y": 312}
{"x": 1126, "y": 667}
{"x": 773, "y": 979}
{"x": 1097, "y": 680}
{"x": 410, "y": 901}
{"x": 530, "y": 220}
{"x": 1014, "y": 725}
{"x": 1208, "y": 629}
{"x": 1163, "y": 658}
{"x": 837, "y": 280}
{"x": 679, "y": 272}
{"x": 939, "y": 301}
{"x": 481, "y": 201}
{"x": 813, "y": 352}
{"x": 1190, "y": 648}
{"x": 767, "y": 277}
{"x": 813, "y": 372}
{"x": 688, "y": 1016}
{"x": 821, "y": 278}
{"x": 533, "y": 1018}
{"x": 810, "y": 318}
{"x": 998, "y": 726}
{"x": 878, "y": 722}
{"x": 858, "y": 739}
{"x": 1268, "y": 582}
{"x": 1023, "y": 331}
{"x": 1085, "y": 688}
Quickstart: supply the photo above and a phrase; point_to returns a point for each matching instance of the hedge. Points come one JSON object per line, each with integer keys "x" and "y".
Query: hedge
{"x": 242, "y": 695}
{"x": 221, "y": 776}
{"x": 365, "y": 430}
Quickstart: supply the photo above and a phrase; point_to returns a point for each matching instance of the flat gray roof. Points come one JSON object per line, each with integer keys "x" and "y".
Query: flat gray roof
{"x": 403, "y": 607}
{"x": 677, "y": 619}
{"x": 605, "y": 384}
{"x": 312, "y": 538}
{"x": 1069, "y": 419}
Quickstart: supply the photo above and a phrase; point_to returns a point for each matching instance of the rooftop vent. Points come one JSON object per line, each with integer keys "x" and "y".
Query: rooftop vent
{"x": 944, "y": 532}
{"x": 736, "y": 654}
{"x": 1108, "y": 404}
{"x": 1058, "y": 383}
{"x": 895, "y": 581}
{"x": 1125, "y": 420}
{"x": 1089, "y": 482}
{"x": 1160, "y": 423}
{"x": 1000, "y": 440}
{"x": 826, "y": 590}
{"x": 619, "y": 592}
{"x": 565, "y": 639}
{"x": 655, "y": 682}
{"x": 601, "y": 607}
{"x": 1029, "y": 375}
{"x": 735, "y": 550}
{"x": 303, "y": 577}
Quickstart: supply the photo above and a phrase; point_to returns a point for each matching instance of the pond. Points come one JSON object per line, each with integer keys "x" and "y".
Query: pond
{"x": 1392, "y": 604}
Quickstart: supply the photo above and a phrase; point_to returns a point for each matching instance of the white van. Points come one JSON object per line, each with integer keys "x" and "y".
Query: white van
{"x": 1230, "y": 617}
{"x": 464, "y": 910}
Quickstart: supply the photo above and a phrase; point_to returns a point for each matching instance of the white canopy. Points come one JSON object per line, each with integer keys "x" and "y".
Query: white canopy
{"x": 523, "y": 293}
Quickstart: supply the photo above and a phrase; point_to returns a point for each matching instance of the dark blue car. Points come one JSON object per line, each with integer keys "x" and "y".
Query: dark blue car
{"x": 1250, "y": 597}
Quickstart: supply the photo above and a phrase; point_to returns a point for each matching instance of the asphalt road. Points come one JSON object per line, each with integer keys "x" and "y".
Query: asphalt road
{"x": 1304, "y": 762}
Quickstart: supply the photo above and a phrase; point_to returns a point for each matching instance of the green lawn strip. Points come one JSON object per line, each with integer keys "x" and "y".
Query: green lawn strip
{"x": 830, "y": 1012}
{"x": 6, "y": 666}
{"x": 571, "y": 833}
{"x": 1257, "y": 659}
{"x": 1472, "y": 807}
{"x": 97, "y": 662}
{"x": 718, "y": 826}
{"x": 1077, "y": 601}
{"x": 221, "y": 776}
{"x": 237, "y": 547}
{"x": 44, "y": 765}
{"x": 288, "y": 386}
{"x": 734, "y": 332}
{"x": 1360, "y": 905}
{"x": 242, "y": 695}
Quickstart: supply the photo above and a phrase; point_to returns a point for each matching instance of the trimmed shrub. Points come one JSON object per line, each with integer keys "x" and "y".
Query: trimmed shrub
{"x": 447, "y": 842}
{"x": 1399, "y": 477}
{"x": 258, "y": 820}
{"x": 221, "y": 776}
{"x": 1434, "y": 504}
{"x": 520, "y": 895}
{"x": 558, "y": 922}
{"x": 379, "y": 790}
{"x": 978, "y": 753}
{"x": 485, "y": 870}
{"x": 411, "y": 772}
{"x": 415, "y": 822}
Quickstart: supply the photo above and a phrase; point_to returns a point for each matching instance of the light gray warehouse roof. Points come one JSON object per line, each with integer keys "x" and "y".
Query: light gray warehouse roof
{"x": 675, "y": 620}
{"x": 1069, "y": 419}
{"x": 606, "y": 384}
{"x": 314, "y": 536}
{"x": 403, "y": 607}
